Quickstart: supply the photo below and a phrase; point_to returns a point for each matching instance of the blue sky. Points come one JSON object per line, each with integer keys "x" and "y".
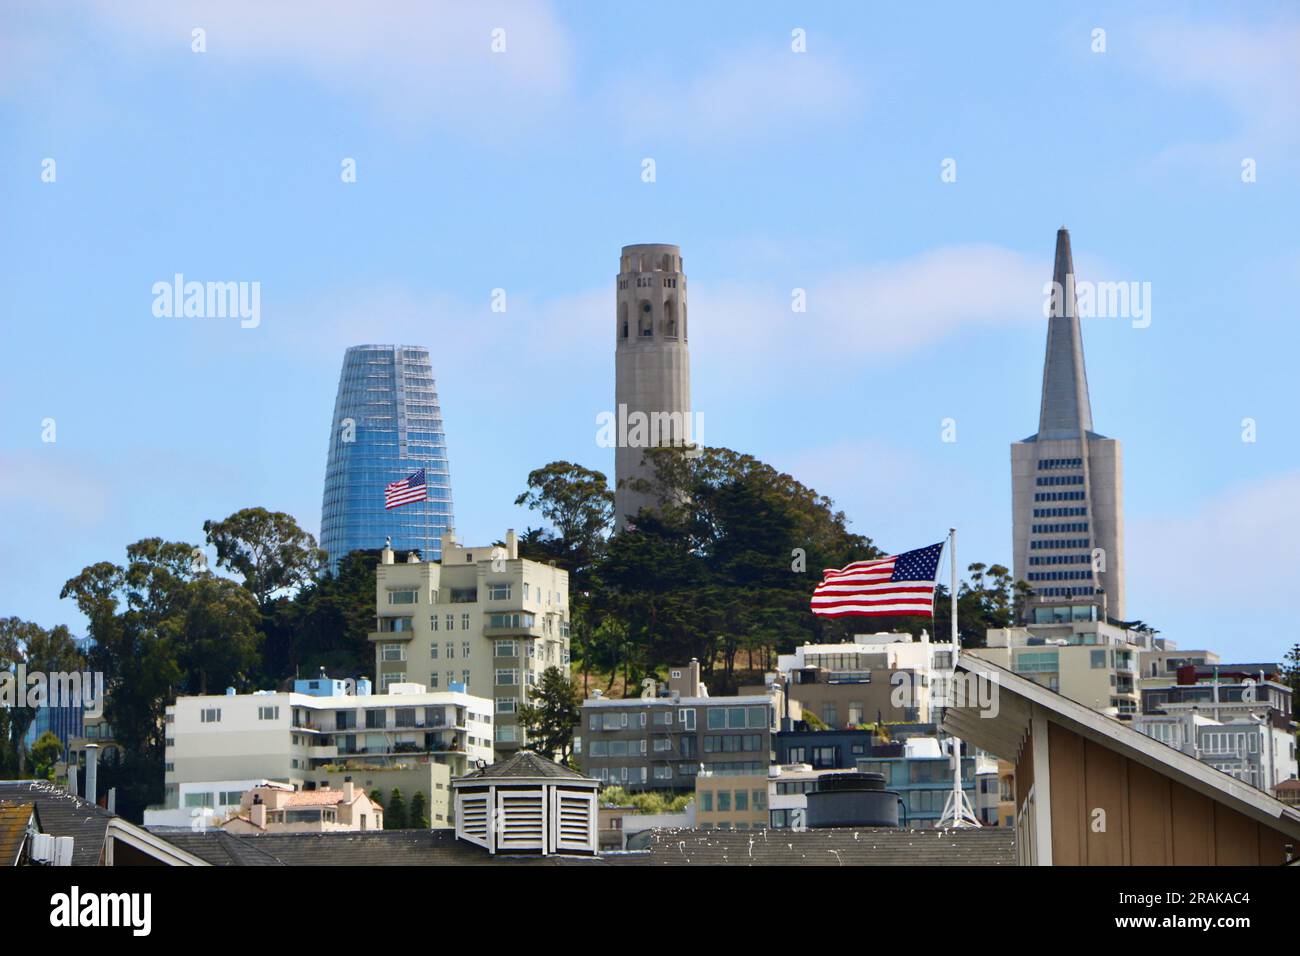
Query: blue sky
{"x": 775, "y": 170}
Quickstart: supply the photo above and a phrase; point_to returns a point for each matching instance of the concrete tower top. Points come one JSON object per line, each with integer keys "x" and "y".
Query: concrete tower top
{"x": 651, "y": 257}
{"x": 1065, "y": 410}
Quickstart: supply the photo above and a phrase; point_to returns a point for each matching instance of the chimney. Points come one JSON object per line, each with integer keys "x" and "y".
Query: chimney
{"x": 92, "y": 771}
{"x": 72, "y": 779}
{"x": 349, "y": 794}
{"x": 512, "y": 544}
{"x": 386, "y": 556}
{"x": 257, "y": 814}
{"x": 112, "y": 799}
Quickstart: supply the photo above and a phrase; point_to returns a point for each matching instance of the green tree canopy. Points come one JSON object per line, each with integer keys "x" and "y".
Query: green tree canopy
{"x": 267, "y": 549}
{"x": 551, "y": 714}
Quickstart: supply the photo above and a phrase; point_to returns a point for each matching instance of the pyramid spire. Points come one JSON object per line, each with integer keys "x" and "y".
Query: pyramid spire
{"x": 1065, "y": 411}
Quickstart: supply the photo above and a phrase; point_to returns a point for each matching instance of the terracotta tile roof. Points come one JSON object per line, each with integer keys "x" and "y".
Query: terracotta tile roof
{"x": 14, "y": 818}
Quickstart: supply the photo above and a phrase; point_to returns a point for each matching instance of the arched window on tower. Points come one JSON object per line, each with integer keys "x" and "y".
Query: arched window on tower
{"x": 670, "y": 319}
{"x": 645, "y": 322}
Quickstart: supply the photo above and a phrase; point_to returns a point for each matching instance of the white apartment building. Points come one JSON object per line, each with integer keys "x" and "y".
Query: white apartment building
{"x": 220, "y": 746}
{"x": 483, "y": 620}
{"x": 1254, "y": 751}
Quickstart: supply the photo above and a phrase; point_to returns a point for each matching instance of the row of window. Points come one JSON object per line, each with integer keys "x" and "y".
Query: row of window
{"x": 1060, "y": 576}
{"x": 717, "y": 718}
{"x": 1059, "y": 543}
{"x": 727, "y": 800}
{"x": 1046, "y": 464}
{"x": 1062, "y": 592}
{"x": 1064, "y": 528}
{"x": 1060, "y": 512}
{"x": 1060, "y": 480}
{"x": 1058, "y": 496}
{"x": 1039, "y": 560}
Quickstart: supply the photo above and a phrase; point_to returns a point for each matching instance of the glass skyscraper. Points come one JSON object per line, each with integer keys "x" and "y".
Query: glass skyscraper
{"x": 387, "y": 425}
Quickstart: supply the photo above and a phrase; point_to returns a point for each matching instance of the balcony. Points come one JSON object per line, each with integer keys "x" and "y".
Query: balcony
{"x": 512, "y": 624}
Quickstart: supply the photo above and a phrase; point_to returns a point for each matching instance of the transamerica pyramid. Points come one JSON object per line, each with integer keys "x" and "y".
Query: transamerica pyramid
{"x": 1067, "y": 488}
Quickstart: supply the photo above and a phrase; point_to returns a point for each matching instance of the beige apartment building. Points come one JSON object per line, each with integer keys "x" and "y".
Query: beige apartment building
{"x": 731, "y": 801}
{"x": 483, "y": 620}
{"x": 1090, "y": 662}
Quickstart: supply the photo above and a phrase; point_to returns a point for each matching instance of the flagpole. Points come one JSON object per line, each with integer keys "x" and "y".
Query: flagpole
{"x": 957, "y": 812}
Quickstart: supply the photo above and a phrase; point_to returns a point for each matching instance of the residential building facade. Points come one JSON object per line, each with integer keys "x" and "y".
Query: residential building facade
{"x": 663, "y": 743}
{"x": 220, "y": 746}
{"x": 482, "y": 618}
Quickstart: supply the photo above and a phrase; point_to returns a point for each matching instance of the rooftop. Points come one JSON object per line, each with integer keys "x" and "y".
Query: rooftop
{"x": 62, "y": 814}
{"x": 525, "y": 765}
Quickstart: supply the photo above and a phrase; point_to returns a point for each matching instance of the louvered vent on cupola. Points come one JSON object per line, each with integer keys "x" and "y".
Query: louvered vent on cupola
{"x": 527, "y": 804}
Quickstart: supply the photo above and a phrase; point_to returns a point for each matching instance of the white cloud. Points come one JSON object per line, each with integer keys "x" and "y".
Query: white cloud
{"x": 416, "y": 60}
{"x": 1253, "y": 70}
{"x": 741, "y": 96}
{"x": 1244, "y": 543}
{"x": 872, "y": 313}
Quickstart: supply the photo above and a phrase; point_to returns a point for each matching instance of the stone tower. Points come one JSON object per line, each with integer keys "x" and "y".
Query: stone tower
{"x": 652, "y": 367}
{"x": 1067, "y": 482}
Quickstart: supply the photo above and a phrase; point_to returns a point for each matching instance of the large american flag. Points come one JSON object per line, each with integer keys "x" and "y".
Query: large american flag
{"x": 899, "y": 584}
{"x": 409, "y": 489}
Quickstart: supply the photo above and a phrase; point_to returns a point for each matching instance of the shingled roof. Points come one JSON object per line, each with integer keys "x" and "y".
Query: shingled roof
{"x": 525, "y": 764}
{"x": 62, "y": 814}
{"x": 14, "y": 818}
{"x": 850, "y": 846}
{"x": 372, "y": 848}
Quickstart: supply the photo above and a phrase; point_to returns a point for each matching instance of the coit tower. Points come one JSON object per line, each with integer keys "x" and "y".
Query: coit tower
{"x": 652, "y": 366}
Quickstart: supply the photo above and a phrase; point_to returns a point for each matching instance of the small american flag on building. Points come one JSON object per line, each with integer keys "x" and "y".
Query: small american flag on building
{"x": 409, "y": 489}
{"x": 882, "y": 587}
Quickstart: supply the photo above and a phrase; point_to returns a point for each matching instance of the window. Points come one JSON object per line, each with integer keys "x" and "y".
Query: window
{"x": 464, "y": 595}
{"x": 742, "y": 799}
{"x": 464, "y": 649}
{"x": 717, "y": 718}
{"x": 506, "y": 705}
{"x": 506, "y": 649}
{"x": 451, "y": 649}
{"x": 724, "y": 801}
{"x": 433, "y": 680}
{"x": 517, "y": 621}
{"x": 706, "y": 801}
{"x": 396, "y": 677}
{"x": 433, "y": 651}
{"x": 210, "y": 715}
{"x": 498, "y": 592}
{"x": 687, "y": 717}
{"x": 663, "y": 772}
{"x": 268, "y": 713}
{"x": 433, "y": 622}
{"x": 392, "y": 652}
{"x": 451, "y": 622}
{"x": 507, "y": 676}
{"x": 507, "y": 733}
{"x": 464, "y": 622}
{"x": 403, "y": 596}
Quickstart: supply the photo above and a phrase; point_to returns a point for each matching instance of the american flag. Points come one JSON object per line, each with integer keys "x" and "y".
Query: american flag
{"x": 899, "y": 584}
{"x": 409, "y": 489}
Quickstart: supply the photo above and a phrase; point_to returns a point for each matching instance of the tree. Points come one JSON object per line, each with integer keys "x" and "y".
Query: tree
{"x": 327, "y": 623}
{"x": 1291, "y": 674}
{"x": 267, "y": 549}
{"x": 216, "y": 634}
{"x": 395, "y": 812}
{"x": 46, "y": 752}
{"x": 39, "y": 651}
{"x": 419, "y": 815}
{"x": 551, "y": 714}
{"x": 579, "y": 505}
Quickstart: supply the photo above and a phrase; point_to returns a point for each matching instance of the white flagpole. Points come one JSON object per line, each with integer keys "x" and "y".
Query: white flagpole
{"x": 957, "y": 811}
